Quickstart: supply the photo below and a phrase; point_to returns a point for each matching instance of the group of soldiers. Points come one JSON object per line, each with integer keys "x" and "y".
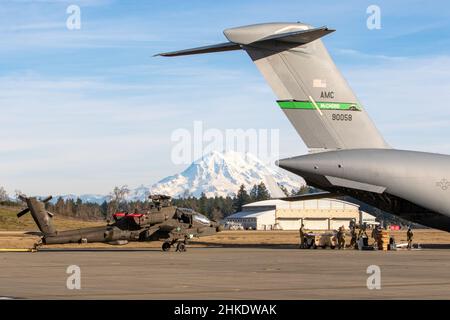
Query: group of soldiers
{"x": 340, "y": 237}
{"x": 360, "y": 232}
{"x": 356, "y": 232}
{"x": 376, "y": 235}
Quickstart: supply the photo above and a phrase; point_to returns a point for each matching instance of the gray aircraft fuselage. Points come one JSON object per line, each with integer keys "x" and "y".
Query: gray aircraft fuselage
{"x": 410, "y": 184}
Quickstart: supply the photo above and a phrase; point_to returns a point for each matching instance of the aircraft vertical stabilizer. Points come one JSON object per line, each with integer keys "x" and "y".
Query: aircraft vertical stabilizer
{"x": 310, "y": 89}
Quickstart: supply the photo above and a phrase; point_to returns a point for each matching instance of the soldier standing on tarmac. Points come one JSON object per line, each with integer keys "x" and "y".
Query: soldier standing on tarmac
{"x": 362, "y": 231}
{"x": 301, "y": 232}
{"x": 351, "y": 224}
{"x": 409, "y": 237}
{"x": 376, "y": 233}
{"x": 341, "y": 237}
{"x": 354, "y": 234}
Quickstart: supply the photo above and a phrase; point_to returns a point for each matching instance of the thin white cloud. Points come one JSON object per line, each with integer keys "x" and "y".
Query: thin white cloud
{"x": 363, "y": 55}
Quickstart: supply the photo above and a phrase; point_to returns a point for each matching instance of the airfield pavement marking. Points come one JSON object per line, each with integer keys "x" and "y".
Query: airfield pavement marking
{"x": 226, "y": 273}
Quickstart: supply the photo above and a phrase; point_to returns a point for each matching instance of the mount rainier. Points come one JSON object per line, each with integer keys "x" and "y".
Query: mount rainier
{"x": 222, "y": 174}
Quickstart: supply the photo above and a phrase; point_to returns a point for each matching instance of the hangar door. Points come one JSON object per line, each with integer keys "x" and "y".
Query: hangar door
{"x": 289, "y": 223}
{"x": 337, "y": 223}
{"x": 316, "y": 224}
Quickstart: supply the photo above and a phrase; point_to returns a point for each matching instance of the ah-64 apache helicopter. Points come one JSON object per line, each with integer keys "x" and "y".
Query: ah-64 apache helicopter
{"x": 161, "y": 221}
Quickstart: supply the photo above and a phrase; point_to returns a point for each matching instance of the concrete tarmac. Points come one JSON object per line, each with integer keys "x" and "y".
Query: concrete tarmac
{"x": 226, "y": 273}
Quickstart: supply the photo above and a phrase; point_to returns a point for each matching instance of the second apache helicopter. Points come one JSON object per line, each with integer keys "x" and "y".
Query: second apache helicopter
{"x": 161, "y": 222}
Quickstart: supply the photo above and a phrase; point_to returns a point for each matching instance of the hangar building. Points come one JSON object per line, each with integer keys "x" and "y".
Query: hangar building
{"x": 318, "y": 214}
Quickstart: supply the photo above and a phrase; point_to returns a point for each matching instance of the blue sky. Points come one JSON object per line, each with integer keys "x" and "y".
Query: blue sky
{"x": 85, "y": 110}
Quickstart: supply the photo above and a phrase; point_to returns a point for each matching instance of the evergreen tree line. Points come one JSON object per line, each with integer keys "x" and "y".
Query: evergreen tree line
{"x": 93, "y": 211}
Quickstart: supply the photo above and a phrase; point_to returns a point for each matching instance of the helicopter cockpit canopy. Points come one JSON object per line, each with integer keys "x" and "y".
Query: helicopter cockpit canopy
{"x": 197, "y": 217}
{"x": 190, "y": 216}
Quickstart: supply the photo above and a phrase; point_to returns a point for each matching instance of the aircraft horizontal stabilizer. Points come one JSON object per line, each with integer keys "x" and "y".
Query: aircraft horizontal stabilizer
{"x": 236, "y": 41}
{"x": 227, "y": 46}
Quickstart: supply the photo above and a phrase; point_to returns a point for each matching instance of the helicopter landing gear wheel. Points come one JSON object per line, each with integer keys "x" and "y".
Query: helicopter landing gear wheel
{"x": 166, "y": 246}
{"x": 181, "y": 247}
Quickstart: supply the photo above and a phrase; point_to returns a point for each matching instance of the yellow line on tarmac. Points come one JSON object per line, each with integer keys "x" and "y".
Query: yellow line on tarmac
{"x": 17, "y": 250}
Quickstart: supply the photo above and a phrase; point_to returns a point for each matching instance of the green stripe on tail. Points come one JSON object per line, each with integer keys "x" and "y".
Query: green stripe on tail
{"x": 308, "y": 105}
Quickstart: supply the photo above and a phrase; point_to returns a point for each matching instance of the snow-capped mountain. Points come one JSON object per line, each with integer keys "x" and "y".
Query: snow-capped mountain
{"x": 215, "y": 173}
{"x": 222, "y": 174}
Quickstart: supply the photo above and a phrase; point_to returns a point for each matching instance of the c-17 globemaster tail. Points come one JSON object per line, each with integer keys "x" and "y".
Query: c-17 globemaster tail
{"x": 310, "y": 89}
{"x": 327, "y": 115}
